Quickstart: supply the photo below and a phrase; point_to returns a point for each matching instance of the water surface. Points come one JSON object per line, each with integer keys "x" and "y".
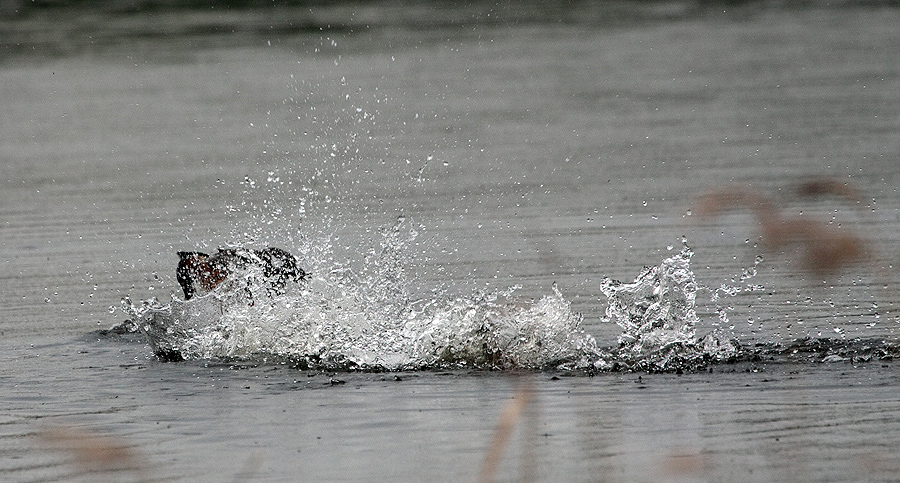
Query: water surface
{"x": 563, "y": 150}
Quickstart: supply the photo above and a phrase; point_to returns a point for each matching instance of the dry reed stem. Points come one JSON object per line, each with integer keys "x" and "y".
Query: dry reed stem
{"x": 684, "y": 463}
{"x": 834, "y": 187}
{"x": 824, "y": 248}
{"x": 251, "y": 466}
{"x": 509, "y": 417}
{"x": 855, "y": 199}
{"x": 95, "y": 452}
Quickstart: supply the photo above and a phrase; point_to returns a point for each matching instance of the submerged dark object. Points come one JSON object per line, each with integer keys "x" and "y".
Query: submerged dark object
{"x": 199, "y": 273}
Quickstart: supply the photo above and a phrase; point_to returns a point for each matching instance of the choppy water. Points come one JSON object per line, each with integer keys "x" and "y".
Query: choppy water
{"x": 500, "y": 203}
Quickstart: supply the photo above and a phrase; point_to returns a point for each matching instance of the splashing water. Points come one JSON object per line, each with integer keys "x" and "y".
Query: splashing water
{"x": 366, "y": 320}
{"x": 657, "y": 309}
{"x": 330, "y": 327}
{"x": 344, "y": 320}
{"x": 658, "y": 316}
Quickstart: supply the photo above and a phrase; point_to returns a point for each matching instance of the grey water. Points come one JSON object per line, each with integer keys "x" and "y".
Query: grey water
{"x": 437, "y": 153}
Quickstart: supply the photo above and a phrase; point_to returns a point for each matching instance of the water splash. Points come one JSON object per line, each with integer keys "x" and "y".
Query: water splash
{"x": 725, "y": 291}
{"x": 344, "y": 319}
{"x": 657, "y": 313}
{"x": 366, "y": 320}
{"x": 330, "y": 328}
{"x": 657, "y": 309}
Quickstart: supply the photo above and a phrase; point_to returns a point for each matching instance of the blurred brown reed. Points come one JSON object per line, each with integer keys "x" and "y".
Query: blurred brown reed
{"x": 95, "y": 452}
{"x": 824, "y": 248}
{"x": 684, "y": 463}
{"x": 510, "y": 415}
{"x": 830, "y": 186}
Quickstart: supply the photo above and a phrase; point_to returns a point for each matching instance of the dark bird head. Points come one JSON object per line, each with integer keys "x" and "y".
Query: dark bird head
{"x": 190, "y": 265}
